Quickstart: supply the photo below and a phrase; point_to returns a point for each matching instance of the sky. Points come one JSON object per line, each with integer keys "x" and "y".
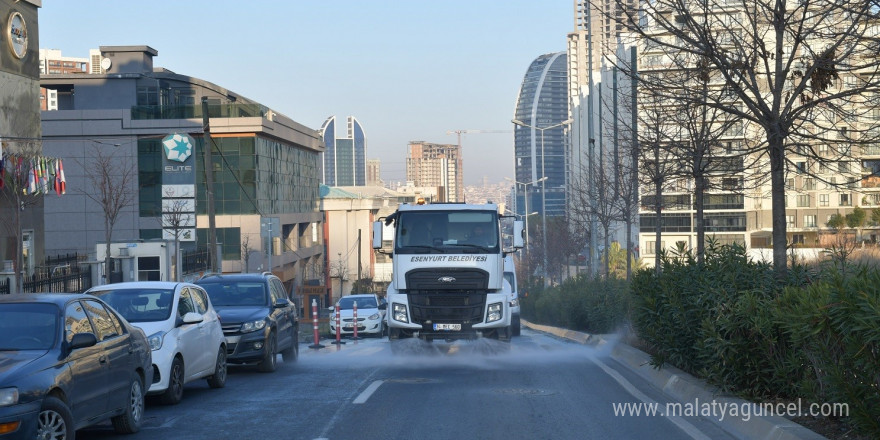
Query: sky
{"x": 411, "y": 70}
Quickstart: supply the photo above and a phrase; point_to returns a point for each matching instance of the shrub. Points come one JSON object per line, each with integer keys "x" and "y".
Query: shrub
{"x": 582, "y": 303}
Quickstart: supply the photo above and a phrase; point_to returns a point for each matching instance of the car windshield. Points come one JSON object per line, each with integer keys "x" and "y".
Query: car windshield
{"x": 240, "y": 293}
{"x": 447, "y": 232}
{"x": 138, "y": 305}
{"x": 28, "y": 326}
{"x": 347, "y": 303}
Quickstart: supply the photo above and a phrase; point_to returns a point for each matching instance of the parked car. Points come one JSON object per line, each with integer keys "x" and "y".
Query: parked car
{"x": 259, "y": 319}
{"x": 183, "y": 330}
{"x": 510, "y": 277}
{"x": 67, "y": 362}
{"x": 371, "y": 315}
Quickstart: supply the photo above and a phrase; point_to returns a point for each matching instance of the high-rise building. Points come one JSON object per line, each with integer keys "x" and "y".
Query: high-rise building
{"x": 52, "y": 62}
{"x": 374, "y": 173}
{"x": 540, "y": 141}
{"x": 345, "y": 160}
{"x": 437, "y": 166}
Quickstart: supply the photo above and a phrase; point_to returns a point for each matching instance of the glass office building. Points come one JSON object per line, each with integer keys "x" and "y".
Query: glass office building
{"x": 345, "y": 159}
{"x": 541, "y": 151}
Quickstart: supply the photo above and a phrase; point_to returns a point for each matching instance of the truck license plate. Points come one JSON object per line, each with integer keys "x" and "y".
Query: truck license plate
{"x": 448, "y": 327}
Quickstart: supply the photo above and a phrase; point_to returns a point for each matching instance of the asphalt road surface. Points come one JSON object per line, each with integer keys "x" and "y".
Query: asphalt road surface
{"x": 538, "y": 387}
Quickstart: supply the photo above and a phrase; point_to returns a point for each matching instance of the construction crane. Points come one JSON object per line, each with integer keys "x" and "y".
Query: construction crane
{"x": 460, "y": 132}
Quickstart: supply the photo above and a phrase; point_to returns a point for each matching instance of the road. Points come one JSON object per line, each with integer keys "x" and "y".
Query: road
{"x": 540, "y": 388}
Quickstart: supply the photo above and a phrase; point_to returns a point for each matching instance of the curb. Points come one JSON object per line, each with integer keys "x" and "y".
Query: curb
{"x": 686, "y": 388}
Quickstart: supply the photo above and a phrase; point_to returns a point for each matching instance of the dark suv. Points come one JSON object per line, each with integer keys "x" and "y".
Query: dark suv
{"x": 259, "y": 320}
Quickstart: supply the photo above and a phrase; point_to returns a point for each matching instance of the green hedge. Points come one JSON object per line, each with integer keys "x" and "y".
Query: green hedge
{"x": 581, "y": 303}
{"x": 731, "y": 321}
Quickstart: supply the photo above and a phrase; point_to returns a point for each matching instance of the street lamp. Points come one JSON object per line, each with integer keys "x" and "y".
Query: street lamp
{"x": 543, "y": 185}
{"x": 526, "y": 197}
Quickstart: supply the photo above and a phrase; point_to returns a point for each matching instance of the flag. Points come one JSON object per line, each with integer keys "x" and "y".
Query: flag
{"x": 62, "y": 181}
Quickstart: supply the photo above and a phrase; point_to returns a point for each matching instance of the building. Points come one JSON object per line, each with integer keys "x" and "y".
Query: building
{"x": 21, "y": 215}
{"x": 539, "y": 136}
{"x": 436, "y": 166}
{"x": 349, "y": 213}
{"x": 51, "y": 62}
{"x": 374, "y": 173}
{"x": 345, "y": 160}
{"x": 149, "y": 122}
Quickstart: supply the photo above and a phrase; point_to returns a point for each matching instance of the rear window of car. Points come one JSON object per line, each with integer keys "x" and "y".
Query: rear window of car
{"x": 236, "y": 293}
{"x": 139, "y": 305}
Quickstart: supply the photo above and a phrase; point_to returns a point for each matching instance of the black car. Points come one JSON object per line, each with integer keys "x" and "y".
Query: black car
{"x": 259, "y": 319}
{"x": 67, "y": 362}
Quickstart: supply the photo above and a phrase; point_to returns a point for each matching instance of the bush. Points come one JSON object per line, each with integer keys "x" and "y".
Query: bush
{"x": 584, "y": 304}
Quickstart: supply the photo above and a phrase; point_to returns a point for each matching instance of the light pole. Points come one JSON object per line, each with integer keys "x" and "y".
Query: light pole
{"x": 543, "y": 185}
{"x": 526, "y": 197}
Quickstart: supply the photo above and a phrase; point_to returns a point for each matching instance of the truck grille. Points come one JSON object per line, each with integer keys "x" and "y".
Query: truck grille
{"x": 447, "y": 279}
{"x": 447, "y": 307}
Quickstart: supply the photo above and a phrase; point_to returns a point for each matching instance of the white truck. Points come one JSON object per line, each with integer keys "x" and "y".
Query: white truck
{"x": 448, "y": 271}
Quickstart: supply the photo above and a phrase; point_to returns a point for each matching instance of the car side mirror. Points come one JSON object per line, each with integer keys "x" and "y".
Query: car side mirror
{"x": 82, "y": 340}
{"x": 382, "y": 306}
{"x": 192, "y": 318}
{"x": 280, "y": 303}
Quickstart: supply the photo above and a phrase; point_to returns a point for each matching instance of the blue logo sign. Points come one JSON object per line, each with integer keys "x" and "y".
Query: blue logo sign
{"x": 178, "y": 147}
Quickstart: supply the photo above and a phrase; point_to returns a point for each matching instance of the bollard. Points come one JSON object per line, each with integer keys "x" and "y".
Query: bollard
{"x": 354, "y": 313}
{"x": 317, "y": 344}
{"x": 338, "y": 340}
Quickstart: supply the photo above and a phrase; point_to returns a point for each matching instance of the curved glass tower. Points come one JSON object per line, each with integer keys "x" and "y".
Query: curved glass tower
{"x": 345, "y": 160}
{"x": 540, "y": 151}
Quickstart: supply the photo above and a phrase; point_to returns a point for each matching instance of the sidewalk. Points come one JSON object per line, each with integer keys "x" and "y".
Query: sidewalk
{"x": 683, "y": 387}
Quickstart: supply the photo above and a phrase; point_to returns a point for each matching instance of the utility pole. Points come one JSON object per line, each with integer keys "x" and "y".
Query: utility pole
{"x": 209, "y": 188}
{"x": 359, "y": 254}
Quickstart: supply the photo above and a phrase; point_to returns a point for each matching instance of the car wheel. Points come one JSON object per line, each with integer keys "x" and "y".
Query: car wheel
{"x": 292, "y": 353}
{"x": 218, "y": 379}
{"x": 174, "y": 393}
{"x": 55, "y": 420}
{"x": 129, "y": 421}
{"x": 269, "y": 362}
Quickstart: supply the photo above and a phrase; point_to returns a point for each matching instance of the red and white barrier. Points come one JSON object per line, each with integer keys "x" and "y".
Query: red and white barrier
{"x": 315, "y": 325}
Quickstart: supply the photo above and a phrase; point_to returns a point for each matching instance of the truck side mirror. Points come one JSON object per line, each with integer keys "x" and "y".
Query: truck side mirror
{"x": 377, "y": 235}
{"x": 518, "y": 234}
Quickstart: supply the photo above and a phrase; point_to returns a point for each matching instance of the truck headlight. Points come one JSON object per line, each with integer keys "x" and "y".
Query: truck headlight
{"x": 514, "y": 302}
{"x": 398, "y": 312}
{"x": 494, "y": 312}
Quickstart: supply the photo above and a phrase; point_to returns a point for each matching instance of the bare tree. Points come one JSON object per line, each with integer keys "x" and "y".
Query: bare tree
{"x": 246, "y": 251}
{"x": 780, "y": 65}
{"x": 20, "y": 194}
{"x": 111, "y": 184}
{"x": 178, "y": 217}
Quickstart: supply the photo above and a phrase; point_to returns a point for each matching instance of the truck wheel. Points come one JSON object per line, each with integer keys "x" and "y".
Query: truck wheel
{"x": 503, "y": 334}
{"x": 515, "y": 326}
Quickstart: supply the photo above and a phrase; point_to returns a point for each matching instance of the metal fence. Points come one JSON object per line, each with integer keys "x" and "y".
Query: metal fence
{"x": 60, "y": 274}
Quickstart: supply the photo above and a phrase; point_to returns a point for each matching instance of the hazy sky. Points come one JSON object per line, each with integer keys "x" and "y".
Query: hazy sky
{"x": 407, "y": 70}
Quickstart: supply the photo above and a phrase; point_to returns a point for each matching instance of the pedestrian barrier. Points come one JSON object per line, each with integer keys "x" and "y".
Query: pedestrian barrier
{"x": 338, "y": 340}
{"x": 355, "y": 316}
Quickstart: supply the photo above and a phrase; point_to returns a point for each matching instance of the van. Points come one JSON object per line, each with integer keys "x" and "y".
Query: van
{"x": 510, "y": 277}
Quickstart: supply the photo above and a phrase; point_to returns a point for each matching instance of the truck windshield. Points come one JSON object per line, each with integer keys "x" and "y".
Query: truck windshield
{"x": 447, "y": 232}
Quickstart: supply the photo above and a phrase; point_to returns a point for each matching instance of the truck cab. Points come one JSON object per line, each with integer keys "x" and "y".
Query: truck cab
{"x": 448, "y": 272}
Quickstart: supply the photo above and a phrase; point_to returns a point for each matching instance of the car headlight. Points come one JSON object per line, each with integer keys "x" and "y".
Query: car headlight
{"x": 8, "y": 396}
{"x": 252, "y": 326}
{"x": 373, "y": 317}
{"x": 514, "y": 303}
{"x": 398, "y": 312}
{"x": 494, "y": 312}
{"x": 156, "y": 340}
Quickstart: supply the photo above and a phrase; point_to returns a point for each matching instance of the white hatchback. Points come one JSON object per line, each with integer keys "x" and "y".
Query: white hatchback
{"x": 370, "y": 319}
{"x": 183, "y": 330}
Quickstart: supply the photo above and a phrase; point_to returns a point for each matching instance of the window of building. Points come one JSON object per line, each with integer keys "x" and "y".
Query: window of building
{"x": 809, "y": 221}
{"x": 809, "y": 184}
{"x": 801, "y": 167}
{"x": 843, "y": 167}
{"x": 845, "y": 199}
{"x": 789, "y": 221}
{"x": 823, "y": 199}
{"x": 797, "y": 239}
{"x": 148, "y": 269}
{"x": 803, "y": 201}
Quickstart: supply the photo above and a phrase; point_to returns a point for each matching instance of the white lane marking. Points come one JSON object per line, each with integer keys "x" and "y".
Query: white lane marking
{"x": 362, "y": 398}
{"x": 682, "y": 424}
